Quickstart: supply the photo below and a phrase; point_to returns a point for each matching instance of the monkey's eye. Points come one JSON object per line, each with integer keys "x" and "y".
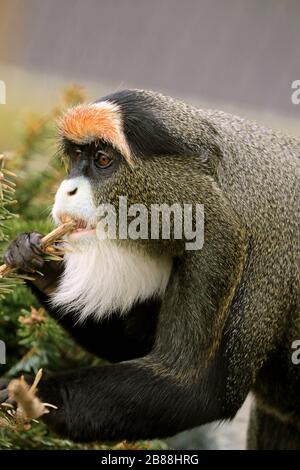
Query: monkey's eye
{"x": 102, "y": 160}
{"x": 78, "y": 154}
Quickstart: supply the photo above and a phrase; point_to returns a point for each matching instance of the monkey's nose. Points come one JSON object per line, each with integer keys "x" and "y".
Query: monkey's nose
{"x": 72, "y": 192}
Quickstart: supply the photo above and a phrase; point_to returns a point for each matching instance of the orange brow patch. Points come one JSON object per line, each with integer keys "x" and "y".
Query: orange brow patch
{"x": 88, "y": 122}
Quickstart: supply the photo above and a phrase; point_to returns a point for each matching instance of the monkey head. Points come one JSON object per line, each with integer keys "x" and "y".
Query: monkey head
{"x": 105, "y": 162}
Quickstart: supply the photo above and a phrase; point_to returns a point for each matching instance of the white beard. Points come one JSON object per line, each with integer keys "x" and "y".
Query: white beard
{"x": 102, "y": 277}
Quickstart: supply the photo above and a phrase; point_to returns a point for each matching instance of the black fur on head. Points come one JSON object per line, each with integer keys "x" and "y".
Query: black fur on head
{"x": 145, "y": 132}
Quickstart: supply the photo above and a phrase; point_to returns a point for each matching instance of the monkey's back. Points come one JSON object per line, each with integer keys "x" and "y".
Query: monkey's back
{"x": 259, "y": 173}
{"x": 257, "y": 170}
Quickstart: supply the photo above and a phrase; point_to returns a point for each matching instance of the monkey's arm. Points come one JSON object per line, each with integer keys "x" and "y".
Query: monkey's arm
{"x": 116, "y": 337}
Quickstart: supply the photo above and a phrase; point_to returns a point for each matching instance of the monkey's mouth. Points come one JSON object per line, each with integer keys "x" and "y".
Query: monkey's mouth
{"x": 81, "y": 226}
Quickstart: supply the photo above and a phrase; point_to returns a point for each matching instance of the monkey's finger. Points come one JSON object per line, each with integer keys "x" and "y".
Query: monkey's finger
{"x": 37, "y": 262}
{"x": 8, "y": 259}
{"x": 13, "y": 255}
{"x": 25, "y": 252}
{"x": 16, "y": 258}
{"x": 35, "y": 240}
{"x": 32, "y": 251}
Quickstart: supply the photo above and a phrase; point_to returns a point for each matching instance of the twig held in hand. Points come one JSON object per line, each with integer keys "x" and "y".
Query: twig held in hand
{"x": 47, "y": 240}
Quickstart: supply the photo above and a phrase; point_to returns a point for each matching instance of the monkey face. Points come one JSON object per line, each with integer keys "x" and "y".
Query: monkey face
{"x": 93, "y": 267}
{"x": 121, "y": 147}
{"x": 118, "y": 147}
{"x": 102, "y": 276}
{"x": 94, "y": 145}
{"x": 91, "y": 166}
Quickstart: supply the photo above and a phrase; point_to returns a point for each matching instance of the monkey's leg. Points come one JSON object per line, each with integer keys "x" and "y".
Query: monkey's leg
{"x": 130, "y": 400}
{"x": 267, "y": 432}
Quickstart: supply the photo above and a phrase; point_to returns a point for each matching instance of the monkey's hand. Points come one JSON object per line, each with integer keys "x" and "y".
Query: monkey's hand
{"x": 26, "y": 254}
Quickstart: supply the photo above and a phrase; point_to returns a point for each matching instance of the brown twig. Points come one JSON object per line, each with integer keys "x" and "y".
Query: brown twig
{"x": 28, "y": 405}
{"x": 47, "y": 240}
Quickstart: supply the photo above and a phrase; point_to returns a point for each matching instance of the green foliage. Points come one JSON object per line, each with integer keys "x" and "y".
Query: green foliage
{"x": 32, "y": 338}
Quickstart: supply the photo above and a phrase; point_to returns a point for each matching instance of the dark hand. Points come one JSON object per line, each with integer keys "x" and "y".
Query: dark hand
{"x": 26, "y": 254}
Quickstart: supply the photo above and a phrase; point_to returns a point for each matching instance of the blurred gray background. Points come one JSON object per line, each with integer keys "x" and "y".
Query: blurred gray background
{"x": 243, "y": 52}
{"x": 237, "y": 55}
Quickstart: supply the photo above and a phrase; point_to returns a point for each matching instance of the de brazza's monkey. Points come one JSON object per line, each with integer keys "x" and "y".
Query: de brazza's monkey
{"x": 189, "y": 333}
